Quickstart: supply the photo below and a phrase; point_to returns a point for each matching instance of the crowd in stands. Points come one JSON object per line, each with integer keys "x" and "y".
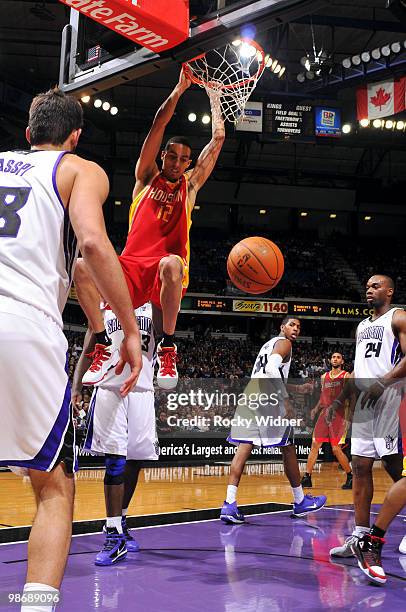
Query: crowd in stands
{"x": 309, "y": 269}
{"x": 228, "y": 361}
{"x": 366, "y": 259}
{"x": 310, "y": 272}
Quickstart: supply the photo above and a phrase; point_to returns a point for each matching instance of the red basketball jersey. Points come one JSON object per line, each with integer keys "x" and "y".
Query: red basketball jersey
{"x": 160, "y": 220}
{"x": 331, "y": 388}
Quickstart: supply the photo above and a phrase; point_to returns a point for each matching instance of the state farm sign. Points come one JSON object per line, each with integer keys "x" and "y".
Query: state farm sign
{"x": 148, "y": 23}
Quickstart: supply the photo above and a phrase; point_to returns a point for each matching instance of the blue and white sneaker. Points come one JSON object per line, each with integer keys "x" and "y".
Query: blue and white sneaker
{"x": 114, "y": 548}
{"x": 132, "y": 545}
{"x": 309, "y": 504}
{"x": 231, "y": 514}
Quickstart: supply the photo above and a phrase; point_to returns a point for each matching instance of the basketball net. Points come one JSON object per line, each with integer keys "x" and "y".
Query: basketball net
{"x": 232, "y": 72}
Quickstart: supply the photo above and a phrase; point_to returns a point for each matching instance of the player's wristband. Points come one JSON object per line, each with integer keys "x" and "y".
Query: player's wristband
{"x": 380, "y": 383}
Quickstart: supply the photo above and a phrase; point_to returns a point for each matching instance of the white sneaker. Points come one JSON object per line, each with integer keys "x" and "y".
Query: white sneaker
{"x": 104, "y": 359}
{"x": 402, "y": 546}
{"x": 345, "y": 550}
{"x": 167, "y": 376}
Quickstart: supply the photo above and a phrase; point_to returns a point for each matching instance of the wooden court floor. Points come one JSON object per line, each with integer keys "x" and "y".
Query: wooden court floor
{"x": 172, "y": 489}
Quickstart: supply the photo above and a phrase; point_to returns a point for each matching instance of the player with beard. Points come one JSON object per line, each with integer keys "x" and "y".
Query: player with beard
{"x": 332, "y": 384}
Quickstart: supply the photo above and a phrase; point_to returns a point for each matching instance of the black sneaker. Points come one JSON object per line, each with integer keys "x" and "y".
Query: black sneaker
{"x": 348, "y": 482}
{"x": 114, "y": 549}
{"x": 307, "y": 481}
{"x": 368, "y": 552}
{"x": 132, "y": 545}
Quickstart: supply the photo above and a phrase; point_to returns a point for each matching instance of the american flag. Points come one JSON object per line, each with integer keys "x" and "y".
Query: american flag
{"x": 93, "y": 53}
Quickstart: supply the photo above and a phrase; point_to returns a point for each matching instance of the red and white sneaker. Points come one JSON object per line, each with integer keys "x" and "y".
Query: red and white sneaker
{"x": 167, "y": 376}
{"x": 368, "y": 551}
{"x": 104, "y": 359}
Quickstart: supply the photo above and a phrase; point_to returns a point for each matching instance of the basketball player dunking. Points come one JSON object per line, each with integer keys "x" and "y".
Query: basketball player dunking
{"x": 273, "y": 362}
{"x": 379, "y": 368}
{"x": 155, "y": 258}
{"x": 332, "y": 383}
{"x": 47, "y": 196}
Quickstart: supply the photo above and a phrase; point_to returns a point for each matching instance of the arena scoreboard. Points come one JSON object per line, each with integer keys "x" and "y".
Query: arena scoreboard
{"x": 283, "y": 120}
{"x": 335, "y": 310}
{"x": 210, "y": 304}
{"x": 288, "y": 120}
{"x": 247, "y": 306}
{"x": 300, "y": 308}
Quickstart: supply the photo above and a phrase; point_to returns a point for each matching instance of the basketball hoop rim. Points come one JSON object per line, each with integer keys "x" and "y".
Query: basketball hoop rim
{"x": 189, "y": 71}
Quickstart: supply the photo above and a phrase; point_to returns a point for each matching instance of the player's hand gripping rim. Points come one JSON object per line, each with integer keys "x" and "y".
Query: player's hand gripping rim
{"x": 130, "y": 352}
{"x": 184, "y": 81}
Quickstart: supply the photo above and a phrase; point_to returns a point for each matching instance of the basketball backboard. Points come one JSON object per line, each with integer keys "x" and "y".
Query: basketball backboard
{"x": 87, "y": 68}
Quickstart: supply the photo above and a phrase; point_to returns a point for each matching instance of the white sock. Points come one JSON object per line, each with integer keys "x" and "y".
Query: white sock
{"x": 124, "y": 512}
{"x": 298, "y": 495}
{"x": 39, "y": 590}
{"x": 231, "y": 494}
{"x": 359, "y": 531}
{"x": 114, "y": 521}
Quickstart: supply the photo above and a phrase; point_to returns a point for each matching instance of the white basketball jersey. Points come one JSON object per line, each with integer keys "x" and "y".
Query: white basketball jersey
{"x": 37, "y": 243}
{"x": 259, "y": 369}
{"x": 115, "y": 333}
{"x": 377, "y": 348}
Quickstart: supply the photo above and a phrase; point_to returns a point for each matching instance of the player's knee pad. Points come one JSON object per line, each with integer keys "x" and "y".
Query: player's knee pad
{"x": 115, "y": 466}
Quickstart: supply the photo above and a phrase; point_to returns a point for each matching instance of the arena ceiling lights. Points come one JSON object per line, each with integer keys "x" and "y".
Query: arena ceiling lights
{"x": 316, "y": 64}
{"x": 380, "y": 53}
{"x": 274, "y": 66}
{"x": 387, "y": 124}
{"x": 104, "y": 105}
{"x": 270, "y": 62}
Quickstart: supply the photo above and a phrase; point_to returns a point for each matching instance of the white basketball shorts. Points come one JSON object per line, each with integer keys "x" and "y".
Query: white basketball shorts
{"x": 264, "y": 425}
{"x": 122, "y": 425}
{"x": 36, "y": 429}
{"x": 375, "y": 429}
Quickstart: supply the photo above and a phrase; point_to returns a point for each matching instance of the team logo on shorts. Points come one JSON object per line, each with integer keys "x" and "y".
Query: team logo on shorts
{"x": 157, "y": 448}
{"x": 389, "y": 440}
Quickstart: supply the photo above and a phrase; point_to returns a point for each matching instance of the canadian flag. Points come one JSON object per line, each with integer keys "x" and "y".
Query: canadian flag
{"x": 381, "y": 99}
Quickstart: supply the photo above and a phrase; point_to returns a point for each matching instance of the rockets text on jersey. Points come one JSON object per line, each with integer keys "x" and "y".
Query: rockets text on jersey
{"x": 331, "y": 388}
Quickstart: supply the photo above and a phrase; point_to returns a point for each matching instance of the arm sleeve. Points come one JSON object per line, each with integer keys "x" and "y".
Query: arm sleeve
{"x": 273, "y": 364}
{"x": 272, "y": 371}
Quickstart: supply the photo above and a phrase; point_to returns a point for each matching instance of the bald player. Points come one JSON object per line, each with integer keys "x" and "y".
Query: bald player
{"x": 379, "y": 368}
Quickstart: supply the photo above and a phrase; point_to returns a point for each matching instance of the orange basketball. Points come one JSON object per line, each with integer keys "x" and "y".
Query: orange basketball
{"x": 255, "y": 265}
